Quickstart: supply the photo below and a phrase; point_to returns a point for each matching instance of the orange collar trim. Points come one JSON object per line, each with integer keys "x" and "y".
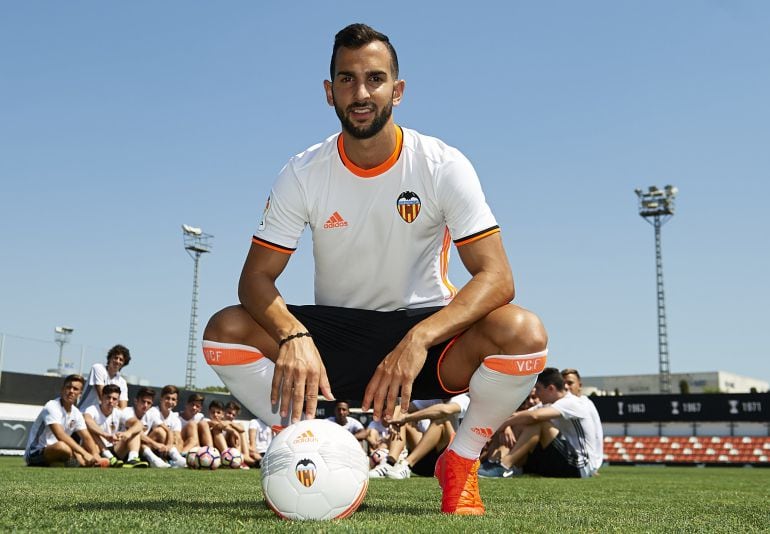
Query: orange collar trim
{"x": 379, "y": 169}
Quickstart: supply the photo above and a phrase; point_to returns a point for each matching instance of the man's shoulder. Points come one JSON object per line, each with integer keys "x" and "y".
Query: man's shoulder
{"x": 92, "y": 410}
{"x": 429, "y": 147}
{"x": 99, "y": 369}
{"x": 314, "y": 155}
{"x": 572, "y": 403}
{"x": 53, "y": 407}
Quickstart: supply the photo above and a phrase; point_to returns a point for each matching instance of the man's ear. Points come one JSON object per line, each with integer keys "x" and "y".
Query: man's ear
{"x": 328, "y": 91}
{"x": 398, "y": 91}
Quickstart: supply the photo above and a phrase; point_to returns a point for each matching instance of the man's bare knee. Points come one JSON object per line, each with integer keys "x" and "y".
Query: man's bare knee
{"x": 522, "y": 333}
{"x": 227, "y": 325}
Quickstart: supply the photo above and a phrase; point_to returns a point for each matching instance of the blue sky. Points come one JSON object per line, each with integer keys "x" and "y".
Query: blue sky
{"x": 121, "y": 121}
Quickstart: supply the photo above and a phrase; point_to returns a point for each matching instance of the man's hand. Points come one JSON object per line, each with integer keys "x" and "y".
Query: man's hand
{"x": 394, "y": 376}
{"x": 299, "y": 373}
{"x": 508, "y": 438}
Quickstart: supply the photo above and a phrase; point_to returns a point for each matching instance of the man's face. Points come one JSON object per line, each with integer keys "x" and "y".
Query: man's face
{"x": 71, "y": 391}
{"x": 341, "y": 412}
{"x": 193, "y": 408}
{"x": 115, "y": 363}
{"x": 230, "y": 414}
{"x": 532, "y": 399}
{"x": 141, "y": 405}
{"x": 572, "y": 384}
{"x": 547, "y": 395}
{"x": 168, "y": 402}
{"x": 216, "y": 414}
{"x": 109, "y": 402}
{"x": 363, "y": 91}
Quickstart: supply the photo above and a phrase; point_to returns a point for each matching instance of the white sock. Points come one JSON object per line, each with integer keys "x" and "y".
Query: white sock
{"x": 107, "y": 454}
{"x": 174, "y": 453}
{"x": 132, "y": 455}
{"x": 248, "y": 374}
{"x": 151, "y": 456}
{"x": 497, "y": 388}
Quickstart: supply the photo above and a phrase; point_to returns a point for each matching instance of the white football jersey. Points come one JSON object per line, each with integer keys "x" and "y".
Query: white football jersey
{"x": 578, "y": 423}
{"x": 381, "y": 237}
{"x": 99, "y": 376}
{"x": 149, "y": 421}
{"x": 197, "y": 418}
{"x": 264, "y": 435}
{"x": 173, "y": 422}
{"x": 111, "y": 424}
{"x": 40, "y": 435}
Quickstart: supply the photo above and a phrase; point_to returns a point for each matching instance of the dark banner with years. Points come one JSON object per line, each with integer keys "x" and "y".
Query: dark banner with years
{"x": 696, "y": 407}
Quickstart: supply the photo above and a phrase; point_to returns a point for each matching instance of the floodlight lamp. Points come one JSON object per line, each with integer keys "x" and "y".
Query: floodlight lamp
{"x": 638, "y": 192}
{"x": 671, "y": 190}
{"x": 191, "y": 230}
{"x": 64, "y": 330}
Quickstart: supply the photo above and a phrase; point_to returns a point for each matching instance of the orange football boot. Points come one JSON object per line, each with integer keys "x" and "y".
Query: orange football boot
{"x": 459, "y": 482}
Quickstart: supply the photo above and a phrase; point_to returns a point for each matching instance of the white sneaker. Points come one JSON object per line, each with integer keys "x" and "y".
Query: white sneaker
{"x": 157, "y": 462}
{"x": 381, "y": 471}
{"x": 401, "y": 470}
{"x": 178, "y": 463}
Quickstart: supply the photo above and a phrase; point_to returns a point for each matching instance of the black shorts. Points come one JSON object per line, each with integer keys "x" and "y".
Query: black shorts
{"x": 558, "y": 459}
{"x": 36, "y": 458}
{"x": 353, "y": 342}
{"x": 427, "y": 466}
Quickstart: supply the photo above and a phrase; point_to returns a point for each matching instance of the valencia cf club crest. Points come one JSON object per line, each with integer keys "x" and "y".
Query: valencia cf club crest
{"x": 305, "y": 471}
{"x": 408, "y": 206}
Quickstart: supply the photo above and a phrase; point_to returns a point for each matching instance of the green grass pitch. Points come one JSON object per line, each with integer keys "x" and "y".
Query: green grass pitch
{"x": 622, "y": 499}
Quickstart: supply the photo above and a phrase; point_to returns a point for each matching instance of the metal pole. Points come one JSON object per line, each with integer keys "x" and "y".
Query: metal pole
{"x": 60, "y": 366}
{"x": 2, "y": 352}
{"x": 189, "y": 381}
{"x": 82, "y": 356}
{"x": 663, "y": 363}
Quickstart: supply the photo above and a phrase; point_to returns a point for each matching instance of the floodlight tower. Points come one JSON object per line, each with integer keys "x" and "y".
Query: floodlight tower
{"x": 656, "y": 206}
{"x": 61, "y": 337}
{"x": 196, "y": 243}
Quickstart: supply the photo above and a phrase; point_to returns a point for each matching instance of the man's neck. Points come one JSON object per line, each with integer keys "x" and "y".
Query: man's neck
{"x": 369, "y": 153}
{"x": 66, "y": 405}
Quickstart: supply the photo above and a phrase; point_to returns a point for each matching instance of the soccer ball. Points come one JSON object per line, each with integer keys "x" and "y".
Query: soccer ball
{"x": 192, "y": 458}
{"x": 377, "y": 457}
{"x": 207, "y": 458}
{"x": 314, "y": 469}
{"x": 232, "y": 457}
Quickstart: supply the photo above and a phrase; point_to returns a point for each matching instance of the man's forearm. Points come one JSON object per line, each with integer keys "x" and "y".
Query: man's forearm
{"x": 262, "y": 300}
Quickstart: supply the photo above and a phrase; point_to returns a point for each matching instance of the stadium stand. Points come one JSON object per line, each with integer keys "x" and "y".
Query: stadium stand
{"x": 673, "y": 450}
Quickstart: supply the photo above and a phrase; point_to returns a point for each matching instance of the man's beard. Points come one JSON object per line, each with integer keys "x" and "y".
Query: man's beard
{"x": 369, "y": 131}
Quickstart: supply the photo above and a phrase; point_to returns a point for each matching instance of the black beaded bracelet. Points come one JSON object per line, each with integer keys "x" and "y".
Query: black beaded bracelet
{"x": 293, "y": 336}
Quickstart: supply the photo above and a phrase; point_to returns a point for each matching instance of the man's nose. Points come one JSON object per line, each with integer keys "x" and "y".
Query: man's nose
{"x": 362, "y": 92}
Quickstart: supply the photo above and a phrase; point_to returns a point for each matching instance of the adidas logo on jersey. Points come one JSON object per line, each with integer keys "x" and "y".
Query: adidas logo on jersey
{"x": 336, "y": 221}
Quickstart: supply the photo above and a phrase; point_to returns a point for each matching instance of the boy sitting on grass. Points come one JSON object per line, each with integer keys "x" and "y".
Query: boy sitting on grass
{"x": 50, "y": 441}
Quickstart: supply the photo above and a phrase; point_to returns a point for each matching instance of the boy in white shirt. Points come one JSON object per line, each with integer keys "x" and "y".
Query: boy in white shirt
{"x": 189, "y": 418}
{"x": 141, "y": 412}
{"x": 107, "y": 425}
{"x": 101, "y": 375}
{"x": 170, "y": 431}
{"x": 260, "y": 436}
{"x": 50, "y": 440}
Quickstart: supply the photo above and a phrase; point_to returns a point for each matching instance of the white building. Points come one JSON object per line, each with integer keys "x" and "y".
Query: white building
{"x": 708, "y": 382}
